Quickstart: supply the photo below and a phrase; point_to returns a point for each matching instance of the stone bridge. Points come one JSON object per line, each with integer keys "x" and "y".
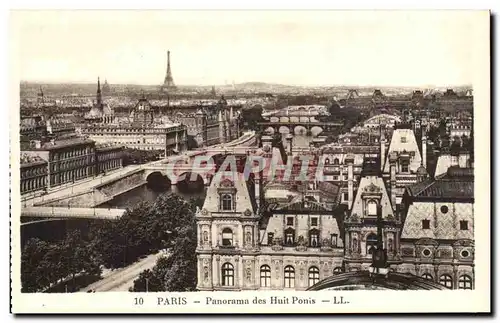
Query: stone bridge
{"x": 298, "y": 127}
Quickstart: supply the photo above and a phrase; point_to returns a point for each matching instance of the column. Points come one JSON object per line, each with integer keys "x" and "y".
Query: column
{"x": 455, "y": 277}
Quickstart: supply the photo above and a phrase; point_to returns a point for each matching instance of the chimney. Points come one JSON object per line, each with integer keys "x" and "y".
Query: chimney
{"x": 350, "y": 180}
{"x": 392, "y": 160}
{"x": 289, "y": 139}
{"x": 382, "y": 151}
{"x": 424, "y": 150}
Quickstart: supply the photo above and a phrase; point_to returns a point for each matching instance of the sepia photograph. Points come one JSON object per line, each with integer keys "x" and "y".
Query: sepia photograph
{"x": 275, "y": 154}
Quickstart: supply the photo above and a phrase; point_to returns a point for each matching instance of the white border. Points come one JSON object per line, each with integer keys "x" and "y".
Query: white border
{"x": 413, "y": 4}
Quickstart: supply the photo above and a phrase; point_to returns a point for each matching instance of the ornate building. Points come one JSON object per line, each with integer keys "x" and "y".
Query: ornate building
{"x": 360, "y": 223}
{"x": 437, "y": 238}
{"x": 210, "y": 125}
{"x": 291, "y": 245}
{"x": 143, "y": 129}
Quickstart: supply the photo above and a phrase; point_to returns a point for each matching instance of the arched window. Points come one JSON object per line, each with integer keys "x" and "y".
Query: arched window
{"x": 371, "y": 208}
{"x": 327, "y": 161}
{"x": 371, "y": 242}
{"x": 227, "y": 237}
{"x": 314, "y": 238}
{"x": 289, "y": 277}
{"x": 390, "y": 245}
{"x": 265, "y": 276}
{"x": 465, "y": 282}
{"x": 227, "y": 274}
{"x": 446, "y": 281}
{"x": 336, "y": 161}
{"x": 337, "y": 270}
{"x": 313, "y": 276}
{"x": 289, "y": 237}
{"x": 227, "y": 202}
{"x": 427, "y": 276}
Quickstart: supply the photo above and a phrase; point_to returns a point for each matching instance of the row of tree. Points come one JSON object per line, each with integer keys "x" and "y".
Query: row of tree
{"x": 166, "y": 223}
{"x": 135, "y": 156}
{"x": 45, "y": 264}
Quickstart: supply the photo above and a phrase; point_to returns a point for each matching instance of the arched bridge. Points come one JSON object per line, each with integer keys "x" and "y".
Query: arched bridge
{"x": 363, "y": 280}
{"x": 70, "y": 213}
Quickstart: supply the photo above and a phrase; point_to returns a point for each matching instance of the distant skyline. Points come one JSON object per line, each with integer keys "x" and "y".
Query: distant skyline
{"x": 308, "y": 48}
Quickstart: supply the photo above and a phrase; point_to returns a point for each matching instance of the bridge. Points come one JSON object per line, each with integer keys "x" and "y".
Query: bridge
{"x": 70, "y": 213}
{"x": 299, "y": 127}
{"x": 103, "y": 188}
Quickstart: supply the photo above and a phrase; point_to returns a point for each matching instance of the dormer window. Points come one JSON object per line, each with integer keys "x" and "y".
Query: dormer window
{"x": 405, "y": 166}
{"x": 226, "y": 202}
{"x": 371, "y": 208}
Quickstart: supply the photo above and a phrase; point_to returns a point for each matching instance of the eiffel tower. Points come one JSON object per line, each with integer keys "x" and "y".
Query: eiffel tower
{"x": 168, "y": 83}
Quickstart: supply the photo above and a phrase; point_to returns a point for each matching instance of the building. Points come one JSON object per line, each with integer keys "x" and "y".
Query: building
{"x": 108, "y": 157}
{"x": 290, "y": 246}
{"x": 100, "y": 113}
{"x": 57, "y": 162}
{"x": 371, "y": 200}
{"x": 34, "y": 173}
{"x": 437, "y": 238}
{"x": 143, "y": 129}
{"x": 68, "y": 160}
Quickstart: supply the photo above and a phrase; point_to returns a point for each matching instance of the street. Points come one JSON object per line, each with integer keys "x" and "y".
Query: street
{"x": 122, "y": 279}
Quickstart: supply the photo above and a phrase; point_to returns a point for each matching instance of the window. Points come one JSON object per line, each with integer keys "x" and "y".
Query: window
{"x": 289, "y": 277}
{"x": 465, "y": 253}
{"x": 314, "y": 222}
{"x": 227, "y": 202}
{"x": 227, "y": 237}
{"x": 444, "y": 209}
{"x": 464, "y": 225}
{"x": 327, "y": 161}
{"x": 333, "y": 239}
{"x": 227, "y": 274}
{"x": 289, "y": 237}
{"x": 313, "y": 238}
{"x": 446, "y": 281}
{"x": 336, "y": 161}
{"x": 337, "y": 270}
{"x": 265, "y": 276}
{"x": 345, "y": 196}
{"x": 270, "y": 237}
{"x": 371, "y": 242}
{"x": 372, "y": 208}
{"x": 427, "y": 276}
{"x": 403, "y": 140}
{"x": 465, "y": 282}
{"x": 426, "y": 252}
{"x": 426, "y": 224}
{"x": 289, "y": 221}
{"x": 313, "y": 276}
{"x": 404, "y": 167}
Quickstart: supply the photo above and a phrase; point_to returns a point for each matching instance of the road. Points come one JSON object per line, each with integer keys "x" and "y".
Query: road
{"x": 119, "y": 280}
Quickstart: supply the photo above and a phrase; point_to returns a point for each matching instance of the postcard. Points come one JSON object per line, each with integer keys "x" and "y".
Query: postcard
{"x": 250, "y": 161}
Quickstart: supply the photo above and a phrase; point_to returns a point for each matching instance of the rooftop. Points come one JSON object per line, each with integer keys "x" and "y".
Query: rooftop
{"x": 65, "y": 143}
{"x": 458, "y": 183}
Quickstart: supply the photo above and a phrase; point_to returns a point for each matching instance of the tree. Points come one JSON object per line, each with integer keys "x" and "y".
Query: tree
{"x": 148, "y": 282}
{"x": 182, "y": 274}
{"x": 251, "y": 117}
{"x": 31, "y": 257}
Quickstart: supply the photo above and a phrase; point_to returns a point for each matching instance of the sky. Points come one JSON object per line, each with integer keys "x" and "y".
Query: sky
{"x": 392, "y": 48}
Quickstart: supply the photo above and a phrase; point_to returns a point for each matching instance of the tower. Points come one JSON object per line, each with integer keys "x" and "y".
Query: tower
{"x": 168, "y": 83}
{"x": 99, "y": 95}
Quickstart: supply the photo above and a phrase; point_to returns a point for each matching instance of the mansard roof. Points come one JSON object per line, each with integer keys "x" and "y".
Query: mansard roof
{"x": 455, "y": 185}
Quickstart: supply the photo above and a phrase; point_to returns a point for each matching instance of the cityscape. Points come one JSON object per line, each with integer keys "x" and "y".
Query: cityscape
{"x": 245, "y": 186}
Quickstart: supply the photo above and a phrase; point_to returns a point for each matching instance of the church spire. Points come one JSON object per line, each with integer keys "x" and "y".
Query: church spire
{"x": 98, "y": 96}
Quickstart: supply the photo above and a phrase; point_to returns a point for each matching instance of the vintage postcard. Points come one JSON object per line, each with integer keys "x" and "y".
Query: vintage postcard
{"x": 250, "y": 162}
